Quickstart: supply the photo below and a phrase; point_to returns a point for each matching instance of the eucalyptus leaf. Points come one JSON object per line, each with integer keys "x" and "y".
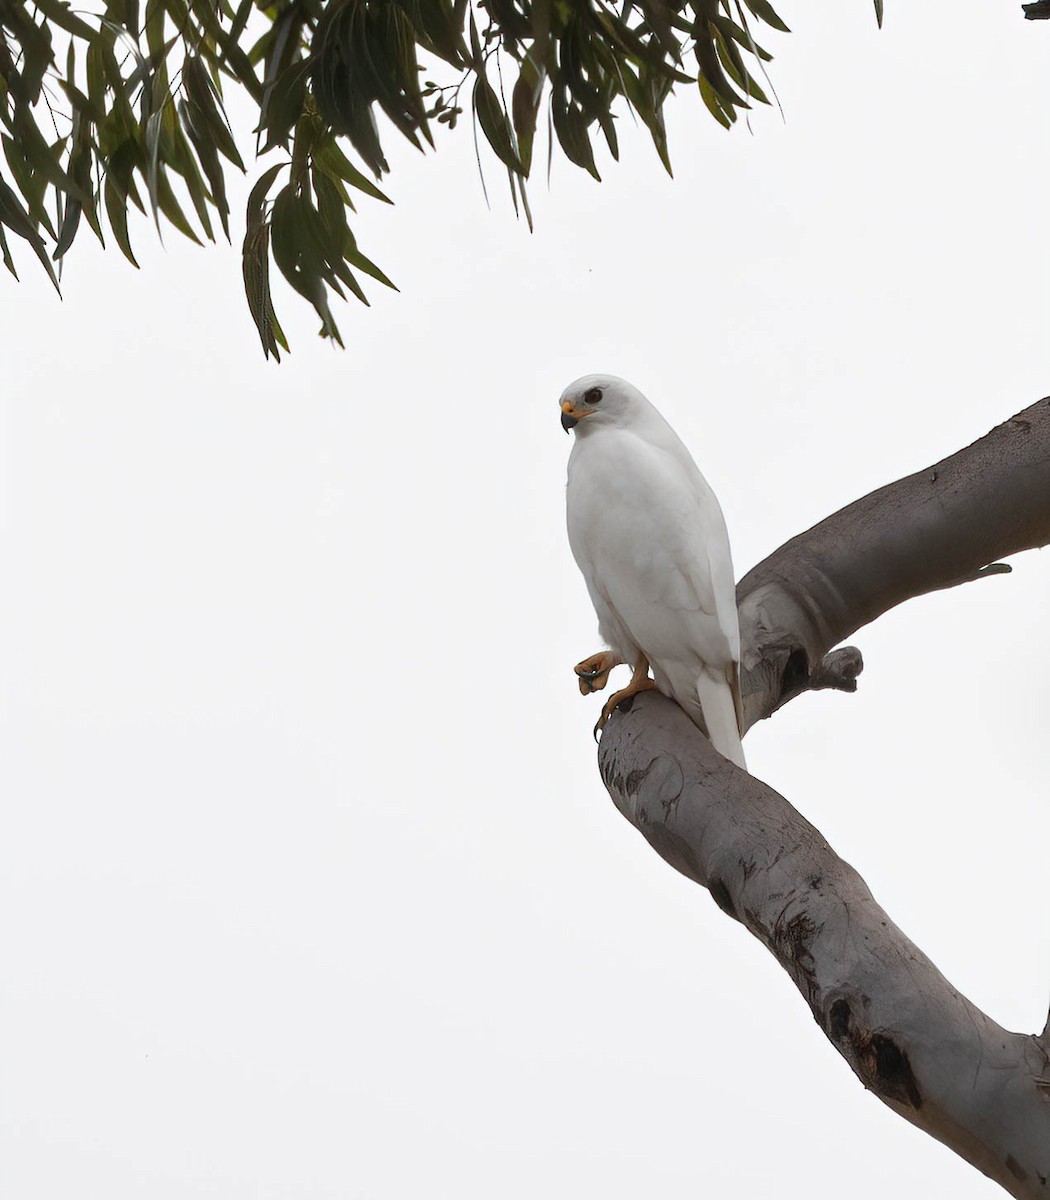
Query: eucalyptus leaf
{"x": 137, "y": 99}
{"x": 117, "y": 212}
{"x": 494, "y": 124}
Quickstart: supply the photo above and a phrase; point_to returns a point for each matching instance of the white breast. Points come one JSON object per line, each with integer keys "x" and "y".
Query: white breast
{"x": 650, "y": 540}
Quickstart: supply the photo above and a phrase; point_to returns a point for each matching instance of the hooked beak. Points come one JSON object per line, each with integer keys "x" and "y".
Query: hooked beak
{"x": 571, "y": 416}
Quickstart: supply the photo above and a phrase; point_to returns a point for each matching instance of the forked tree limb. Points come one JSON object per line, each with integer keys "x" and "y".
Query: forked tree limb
{"x": 935, "y": 529}
{"x": 911, "y": 1038}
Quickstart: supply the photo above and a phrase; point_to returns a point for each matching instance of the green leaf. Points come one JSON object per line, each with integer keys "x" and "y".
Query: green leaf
{"x": 297, "y": 255}
{"x": 336, "y": 165}
{"x": 47, "y": 159}
{"x": 739, "y": 33}
{"x": 765, "y": 12}
{"x": 80, "y": 166}
{"x": 255, "y": 256}
{"x": 208, "y": 157}
{"x": 154, "y": 26}
{"x": 494, "y": 124}
{"x": 357, "y": 259}
{"x": 475, "y": 44}
{"x": 645, "y": 102}
{"x": 117, "y": 211}
{"x": 734, "y": 67}
{"x": 213, "y": 121}
{"x": 570, "y": 125}
{"x": 171, "y": 208}
{"x": 237, "y": 64}
{"x": 96, "y": 77}
{"x": 330, "y": 206}
{"x": 255, "y": 259}
{"x": 283, "y": 104}
{"x": 153, "y": 131}
{"x": 67, "y": 230}
{"x": 525, "y": 107}
{"x": 9, "y": 262}
{"x": 186, "y": 165}
{"x": 59, "y": 12}
{"x": 121, "y": 167}
{"x": 257, "y": 196}
{"x": 30, "y": 183}
{"x": 35, "y": 54}
{"x": 711, "y": 70}
{"x": 715, "y": 105}
{"x": 15, "y": 217}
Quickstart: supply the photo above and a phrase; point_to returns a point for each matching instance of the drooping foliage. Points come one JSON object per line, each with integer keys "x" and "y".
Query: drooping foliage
{"x": 121, "y": 103}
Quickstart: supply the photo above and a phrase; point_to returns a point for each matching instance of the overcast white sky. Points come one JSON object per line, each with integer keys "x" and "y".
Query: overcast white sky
{"x": 309, "y": 884}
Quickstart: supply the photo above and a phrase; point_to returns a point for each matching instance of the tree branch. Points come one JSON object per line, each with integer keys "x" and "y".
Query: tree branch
{"x": 935, "y": 529}
{"x": 908, "y": 1035}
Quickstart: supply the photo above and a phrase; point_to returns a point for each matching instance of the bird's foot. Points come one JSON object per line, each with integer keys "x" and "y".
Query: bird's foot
{"x": 640, "y": 683}
{"x": 593, "y": 672}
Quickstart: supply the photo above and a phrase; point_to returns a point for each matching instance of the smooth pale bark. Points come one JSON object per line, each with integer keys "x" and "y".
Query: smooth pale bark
{"x": 910, "y": 1037}
{"x": 934, "y": 529}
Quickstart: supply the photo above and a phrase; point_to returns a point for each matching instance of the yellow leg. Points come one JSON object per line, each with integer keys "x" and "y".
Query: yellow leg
{"x": 593, "y": 672}
{"x": 640, "y": 682}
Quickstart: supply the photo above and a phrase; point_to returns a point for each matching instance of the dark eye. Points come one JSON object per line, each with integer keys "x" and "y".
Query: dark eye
{"x": 592, "y": 396}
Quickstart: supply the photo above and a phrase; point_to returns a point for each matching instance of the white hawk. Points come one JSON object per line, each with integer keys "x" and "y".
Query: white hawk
{"x": 649, "y": 536}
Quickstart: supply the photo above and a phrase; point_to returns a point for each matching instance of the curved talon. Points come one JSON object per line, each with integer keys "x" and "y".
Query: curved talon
{"x": 640, "y": 682}
{"x": 603, "y": 718}
{"x": 607, "y": 711}
{"x": 593, "y": 683}
{"x": 593, "y": 672}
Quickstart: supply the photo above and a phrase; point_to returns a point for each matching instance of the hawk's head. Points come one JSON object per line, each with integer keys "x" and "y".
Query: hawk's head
{"x": 597, "y": 400}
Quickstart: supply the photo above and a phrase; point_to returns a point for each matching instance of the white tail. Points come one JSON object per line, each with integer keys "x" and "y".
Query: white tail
{"x": 719, "y": 707}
